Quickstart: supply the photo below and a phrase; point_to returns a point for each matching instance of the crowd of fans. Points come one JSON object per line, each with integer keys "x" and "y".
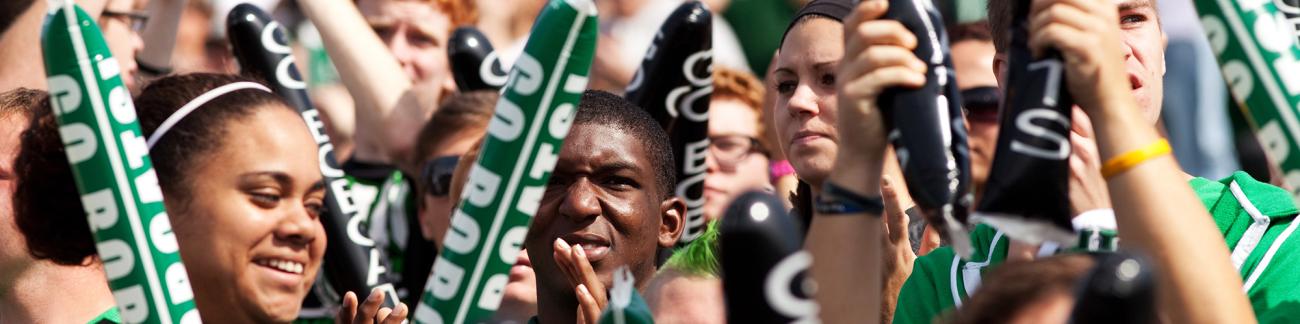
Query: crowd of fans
{"x": 244, "y": 191}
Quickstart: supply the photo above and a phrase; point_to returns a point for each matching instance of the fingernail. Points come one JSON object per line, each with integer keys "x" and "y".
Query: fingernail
{"x": 583, "y": 288}
{"x": 578, "y": 248}
{"x": 561, "y": 244}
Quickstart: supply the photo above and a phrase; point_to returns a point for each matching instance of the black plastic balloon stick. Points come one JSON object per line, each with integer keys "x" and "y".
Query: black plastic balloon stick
{"x": 474, "y": 64}
{"x": 925, "y": 126}
{"x": 1121, "y": 289}
{"x": 674, "y": 84}
{"x": 1027, "y": 192}
{"x": 765, "y": 276}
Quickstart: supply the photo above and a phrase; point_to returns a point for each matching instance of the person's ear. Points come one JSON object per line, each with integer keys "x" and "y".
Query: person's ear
{"x": 672, "y": 213}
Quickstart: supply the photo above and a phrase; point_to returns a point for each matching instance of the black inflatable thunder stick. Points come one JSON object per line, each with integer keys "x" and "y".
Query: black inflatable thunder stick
{"x": 474, "y": 64}
{"x": 926, "y": 129}
{"x": 1120, "y": 289}
{"x": 764, "y": 268}
{"x": 674, "y": 84}
{"x": 353, "y": 263}
{"x": 1027, "y": 192}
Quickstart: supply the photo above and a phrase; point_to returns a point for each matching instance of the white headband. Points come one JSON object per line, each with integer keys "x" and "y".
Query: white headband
{"x": 189, "y": 107}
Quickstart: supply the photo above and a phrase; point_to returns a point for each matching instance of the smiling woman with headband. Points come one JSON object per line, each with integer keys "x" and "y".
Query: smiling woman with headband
{"x": 242, "y": 185}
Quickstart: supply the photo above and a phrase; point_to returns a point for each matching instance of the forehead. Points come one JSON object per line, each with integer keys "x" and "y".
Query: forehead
{"x": 422, "y": 14}
{"x": 741, "y": 119}
{"x": 125, "y": 5}
{"x": 272, "y": 139}
{"x": 973, "y": 62}
{"x": 11, "y": 129}
{"x": 1135, "y": 4}
{"x": 814, "y": 41}
{"x": 592, "y": 146}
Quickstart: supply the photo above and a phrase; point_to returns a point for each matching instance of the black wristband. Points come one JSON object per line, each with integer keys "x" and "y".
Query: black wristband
{"x": 839, "y": 201}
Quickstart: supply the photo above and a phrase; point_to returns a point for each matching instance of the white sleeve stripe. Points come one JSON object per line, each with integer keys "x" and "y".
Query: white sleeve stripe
{"x": 1254, "y": 233}
{"x": 1268, "y": 256}
{"x": 952, "y": 278}
{"x": 970, "y": 274}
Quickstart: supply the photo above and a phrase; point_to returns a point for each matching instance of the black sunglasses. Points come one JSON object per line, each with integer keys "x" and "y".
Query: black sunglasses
{"x": 436, "y": 175}
{"x": 981, "y": 104}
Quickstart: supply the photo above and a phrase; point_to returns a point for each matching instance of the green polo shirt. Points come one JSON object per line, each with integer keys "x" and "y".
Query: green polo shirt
{"x": 110, "y": 316}
{"x": 1255, "y": 218}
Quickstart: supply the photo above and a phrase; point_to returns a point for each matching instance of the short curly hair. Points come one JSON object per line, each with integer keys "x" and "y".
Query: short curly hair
{"x": 740, "y": 85}
{"x": 47, "y": 205}
{"x": 604, "y": 108}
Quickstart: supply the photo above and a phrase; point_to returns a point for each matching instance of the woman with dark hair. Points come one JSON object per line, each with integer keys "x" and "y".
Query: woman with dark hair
{"x": 805, "y": 116}
{"x": 242, "y": 185}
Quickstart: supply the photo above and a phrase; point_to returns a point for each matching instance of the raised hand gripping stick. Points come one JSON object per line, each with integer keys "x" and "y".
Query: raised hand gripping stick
{"x": 926, "y": 129}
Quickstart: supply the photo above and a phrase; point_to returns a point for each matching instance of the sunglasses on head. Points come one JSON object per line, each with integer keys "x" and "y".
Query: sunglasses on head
{"x": 981, "y": 104}
{"x": 436, "y": 175}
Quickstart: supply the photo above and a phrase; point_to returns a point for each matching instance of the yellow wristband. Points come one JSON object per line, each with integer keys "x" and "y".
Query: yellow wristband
{"x": 1127, "y": 161}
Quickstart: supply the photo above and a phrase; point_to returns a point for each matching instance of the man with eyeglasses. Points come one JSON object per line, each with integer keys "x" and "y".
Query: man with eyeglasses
{"x": 121, "y": 22}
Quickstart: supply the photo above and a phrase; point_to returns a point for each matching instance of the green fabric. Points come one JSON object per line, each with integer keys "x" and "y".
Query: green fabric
{"x": 698, "y": 258}
{"x": 389, "y": 197}
{"x": 936, "y": 283}
{"x": 635, "y": 312}
{"x": 1274, "y": 291}
{"x": 1274, "y": 294}
{"x": 760, "y": 41}
{"x": 110, "y": 316}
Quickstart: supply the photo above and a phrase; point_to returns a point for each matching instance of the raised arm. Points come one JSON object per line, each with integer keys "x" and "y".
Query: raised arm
{"x": 1156, "y": 210}
{"x": 877, "y": 56}
{"x": 367, "y": 68}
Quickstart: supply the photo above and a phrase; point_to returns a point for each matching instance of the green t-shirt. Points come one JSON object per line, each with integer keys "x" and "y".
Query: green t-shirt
{"x": 110, "y": 316}
{"x": 1255, "y": 218}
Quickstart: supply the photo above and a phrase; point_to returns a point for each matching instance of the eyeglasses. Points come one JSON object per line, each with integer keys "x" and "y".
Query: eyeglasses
{"x": 436, "y": 175}
{"x": 981, "y": 104}
{"x": 730, "y": 150}
{"x": 135, "y": 19}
